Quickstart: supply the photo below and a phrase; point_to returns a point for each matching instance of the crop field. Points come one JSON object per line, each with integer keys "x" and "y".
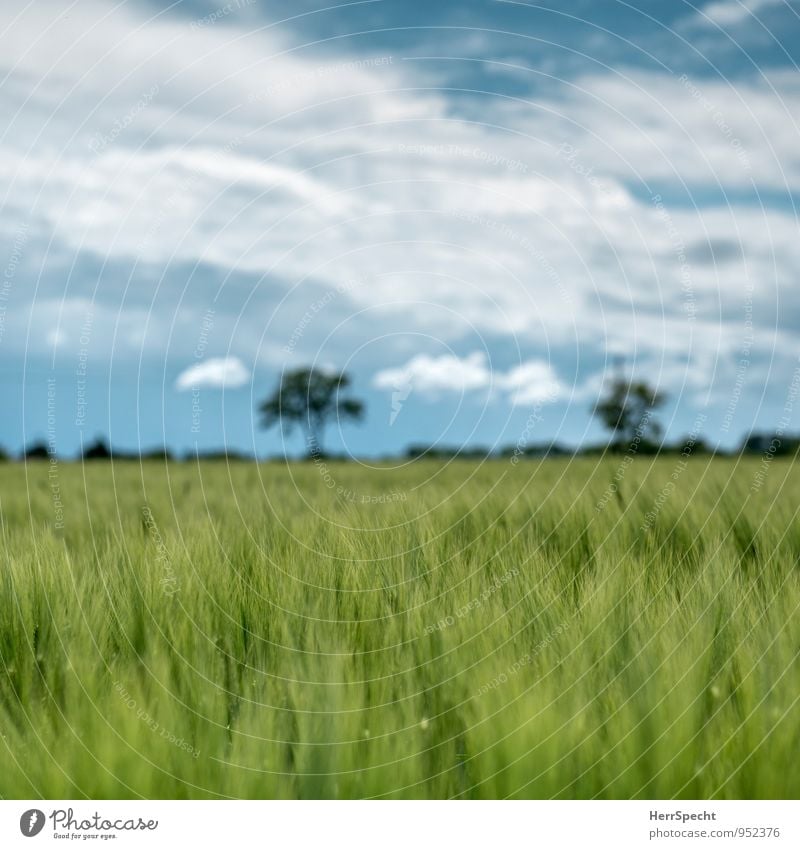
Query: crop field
{"x": 436, "y": 630}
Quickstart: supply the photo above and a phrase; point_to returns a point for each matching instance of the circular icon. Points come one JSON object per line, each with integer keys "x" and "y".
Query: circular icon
{"x": 31, "y": 822}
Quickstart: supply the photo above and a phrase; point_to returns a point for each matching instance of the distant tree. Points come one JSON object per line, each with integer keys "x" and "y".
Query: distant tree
{"x": 98, "y": 450}
{"x": 36, "y": 451}
{"x": 626, "y": 411}
{"x": 772, "y": 443}
{"x": 310, "y": 398}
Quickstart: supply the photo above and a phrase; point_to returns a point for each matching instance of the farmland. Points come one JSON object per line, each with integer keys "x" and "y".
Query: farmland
{"x": 432, "y": 630}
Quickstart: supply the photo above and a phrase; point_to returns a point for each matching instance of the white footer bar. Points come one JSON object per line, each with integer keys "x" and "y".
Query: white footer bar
{"x": 401, "y": 825}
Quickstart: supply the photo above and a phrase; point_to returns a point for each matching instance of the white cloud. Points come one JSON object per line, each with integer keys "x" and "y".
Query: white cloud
{"x": 686, "y": 129}
{"x": 215, "y": 373}
{"x": 532, "y": 382}
{"x": 432, "y": 374}
{"x": 732, "y": 12}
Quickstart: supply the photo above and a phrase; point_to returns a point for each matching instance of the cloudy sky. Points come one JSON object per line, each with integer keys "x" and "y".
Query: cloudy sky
{"x": 476, "y": 209}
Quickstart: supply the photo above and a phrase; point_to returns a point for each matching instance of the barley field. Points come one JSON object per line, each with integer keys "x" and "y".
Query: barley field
{"x": 564, "y": 628}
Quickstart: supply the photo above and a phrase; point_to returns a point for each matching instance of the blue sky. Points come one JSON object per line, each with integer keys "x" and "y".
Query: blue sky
{"x": 475, "y": 209}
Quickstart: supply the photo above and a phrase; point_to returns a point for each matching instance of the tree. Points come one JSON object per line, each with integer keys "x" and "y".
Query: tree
{"x": 36, "y": 451}
{"x": 626, "y": 410}
{"x": 98, "y": 450}
{"x": 310, "y": 398}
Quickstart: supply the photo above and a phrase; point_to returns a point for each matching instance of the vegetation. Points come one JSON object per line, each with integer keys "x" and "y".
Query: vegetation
{"x": 439, "y": 629}
{"x": 310, "y": 398}
{"x": 626, "y": 411}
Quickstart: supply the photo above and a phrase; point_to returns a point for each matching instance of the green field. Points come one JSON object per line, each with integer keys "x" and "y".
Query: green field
{"x": 433, "y": 631}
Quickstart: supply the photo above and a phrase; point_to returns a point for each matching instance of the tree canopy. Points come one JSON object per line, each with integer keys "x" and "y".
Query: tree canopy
{"x": 310, "y": 398}
{"x": 626, "y": 411}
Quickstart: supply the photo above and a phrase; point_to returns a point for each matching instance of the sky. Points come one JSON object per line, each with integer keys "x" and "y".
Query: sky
{"x": 478, "y": 210}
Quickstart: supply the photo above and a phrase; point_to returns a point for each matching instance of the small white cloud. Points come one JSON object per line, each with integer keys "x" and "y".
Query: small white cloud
{"x": 532, "y": 382}
{"x": 216, "y": 373}
{"x": 731, "y": 12}
{"x": 431, "y": 374}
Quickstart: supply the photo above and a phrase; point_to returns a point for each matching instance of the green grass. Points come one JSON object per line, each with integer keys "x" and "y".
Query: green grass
{"x": 484, "y": 632}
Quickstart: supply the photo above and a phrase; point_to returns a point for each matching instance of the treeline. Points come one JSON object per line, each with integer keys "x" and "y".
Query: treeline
{"x": 101, "y": 450}
{"x": 756, "y": 443}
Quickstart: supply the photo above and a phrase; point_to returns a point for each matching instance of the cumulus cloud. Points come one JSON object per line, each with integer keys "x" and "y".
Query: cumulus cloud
{"x": 531, "y": 382}
{"x": 215, "y": 373}
{"x": 432, "y": 374}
